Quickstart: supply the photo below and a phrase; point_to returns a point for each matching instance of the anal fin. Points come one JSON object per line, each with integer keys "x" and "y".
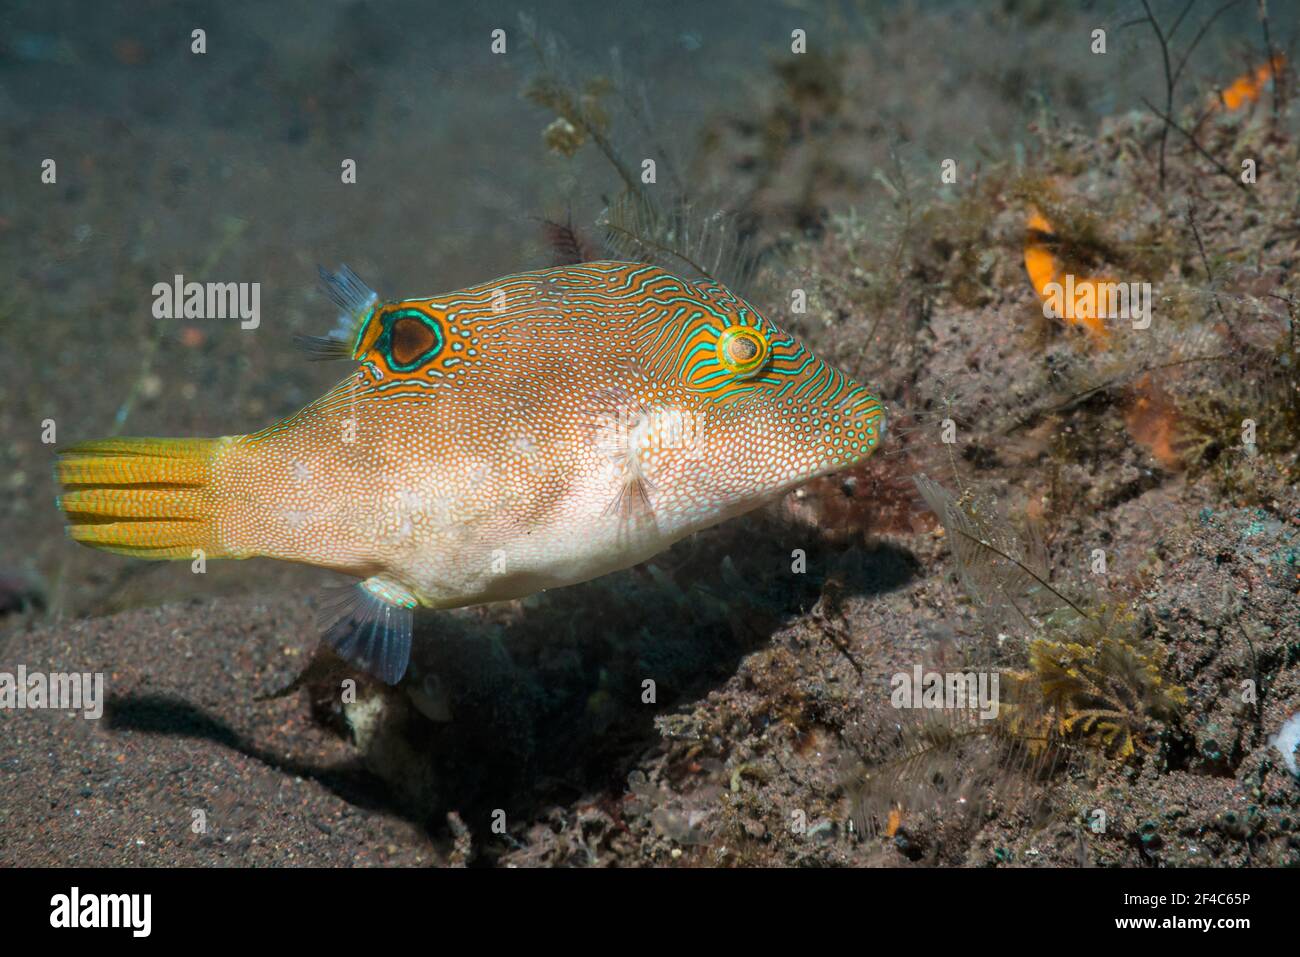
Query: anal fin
{"x": 369, "y": 624}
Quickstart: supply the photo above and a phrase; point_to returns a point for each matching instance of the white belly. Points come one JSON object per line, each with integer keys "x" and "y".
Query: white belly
{"x": 472, "y": 558}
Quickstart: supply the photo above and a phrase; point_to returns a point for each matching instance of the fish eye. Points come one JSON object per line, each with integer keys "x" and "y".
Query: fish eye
{"x": 409, "y": 339}
{"x": 742, "y": 350}
{"x": 412, "y": 338}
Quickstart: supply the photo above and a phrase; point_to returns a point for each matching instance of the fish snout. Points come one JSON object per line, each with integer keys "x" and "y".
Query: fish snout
{"x": 865, "y": 419}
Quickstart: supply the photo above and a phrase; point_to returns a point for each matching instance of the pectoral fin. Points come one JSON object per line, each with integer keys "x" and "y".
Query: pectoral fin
{"x": 617, "y": 419}
{"x": 369, "y": 624}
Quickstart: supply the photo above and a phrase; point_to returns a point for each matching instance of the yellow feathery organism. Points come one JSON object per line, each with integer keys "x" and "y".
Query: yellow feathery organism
{"x": 518, "y": 435}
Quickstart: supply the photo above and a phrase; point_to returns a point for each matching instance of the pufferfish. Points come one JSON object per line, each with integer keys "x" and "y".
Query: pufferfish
{"x": 523, "y": 434}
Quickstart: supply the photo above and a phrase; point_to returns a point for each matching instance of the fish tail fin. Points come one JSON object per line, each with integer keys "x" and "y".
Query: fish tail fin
{"x": 146, "y": 497}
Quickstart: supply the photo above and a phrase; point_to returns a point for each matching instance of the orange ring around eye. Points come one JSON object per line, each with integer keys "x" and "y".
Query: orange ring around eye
{"x": 742, "y": 350}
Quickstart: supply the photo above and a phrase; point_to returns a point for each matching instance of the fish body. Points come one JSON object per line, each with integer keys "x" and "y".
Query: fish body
{"x": 532, "y": 432}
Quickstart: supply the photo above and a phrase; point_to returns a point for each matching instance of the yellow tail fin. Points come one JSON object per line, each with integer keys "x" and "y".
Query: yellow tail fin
{"x": 144, "y": 497}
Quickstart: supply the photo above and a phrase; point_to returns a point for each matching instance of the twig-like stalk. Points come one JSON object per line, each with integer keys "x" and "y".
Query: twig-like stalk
{"x": 1172, "y": 74}
{"x": 1178, "y": 21}
{"x": 1169, "y": 86}
{"x": 1027, "y": 570}
{"x": 1078, "y": 397}
{"x": 1200, "y": 35}
{"x": 660, "y": 247}
{"x": 1209, "y": 275}
{"x": 1169, "y": 123}
{"x": 574, "y": 113}
{"x": 1272, "y": 63}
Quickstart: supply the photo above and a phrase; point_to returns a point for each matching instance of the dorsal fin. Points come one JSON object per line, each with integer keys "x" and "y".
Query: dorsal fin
{"x": 355, "y": 300}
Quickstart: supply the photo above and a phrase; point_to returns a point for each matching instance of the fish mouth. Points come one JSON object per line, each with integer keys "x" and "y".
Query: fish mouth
{"x": 866, "y": 419}
{"x": 881, "y": 424}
